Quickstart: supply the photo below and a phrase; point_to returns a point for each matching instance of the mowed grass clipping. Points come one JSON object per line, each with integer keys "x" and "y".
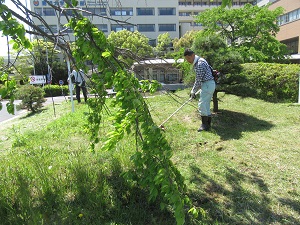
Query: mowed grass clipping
{"x": 244, "y": 171}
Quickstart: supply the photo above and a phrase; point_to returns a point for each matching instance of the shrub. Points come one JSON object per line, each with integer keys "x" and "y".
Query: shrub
{"x": 32, "y": 97}
{"x": 268, "y": 81}
{"x": 56, "y": 90}
{"x": 273, "y": 82}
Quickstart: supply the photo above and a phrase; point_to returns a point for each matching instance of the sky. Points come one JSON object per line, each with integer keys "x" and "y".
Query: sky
{"x": 3, "y": 41}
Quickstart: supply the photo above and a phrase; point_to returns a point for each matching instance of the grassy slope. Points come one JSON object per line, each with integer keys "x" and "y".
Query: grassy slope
{"x": 245, "y": 171}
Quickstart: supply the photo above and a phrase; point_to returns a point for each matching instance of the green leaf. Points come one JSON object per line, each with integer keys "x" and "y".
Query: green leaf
{"x": 106, "y": 54}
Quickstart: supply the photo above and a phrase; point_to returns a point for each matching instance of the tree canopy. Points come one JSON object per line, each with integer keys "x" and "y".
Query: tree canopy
{"x": 185, "y": 41}
{"x": 163, "y": 42}
{"x": 131, "y": 46}
{"x": 250, "y": 30}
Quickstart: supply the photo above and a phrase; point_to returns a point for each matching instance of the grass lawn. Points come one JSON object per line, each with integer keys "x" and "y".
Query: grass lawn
{"x": 244, "y": 171}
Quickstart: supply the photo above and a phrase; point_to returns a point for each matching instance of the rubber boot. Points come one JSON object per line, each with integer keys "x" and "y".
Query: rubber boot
{"x": 204, "y": 125}
{"x": 209, "y": 122}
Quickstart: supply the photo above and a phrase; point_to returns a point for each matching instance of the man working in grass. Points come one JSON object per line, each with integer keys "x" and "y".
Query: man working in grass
{"x": 205, "y": 82}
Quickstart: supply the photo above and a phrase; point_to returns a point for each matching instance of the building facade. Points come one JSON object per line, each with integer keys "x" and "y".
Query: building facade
{"x": 149, "y": 17}
{"x": 289, "y": 23}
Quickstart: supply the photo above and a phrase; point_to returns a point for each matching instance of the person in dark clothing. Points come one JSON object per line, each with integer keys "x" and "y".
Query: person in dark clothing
{"x": 205, "y": 82}
{"x": 79, "y": 84}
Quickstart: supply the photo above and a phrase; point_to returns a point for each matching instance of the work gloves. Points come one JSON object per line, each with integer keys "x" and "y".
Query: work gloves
{"x": 193, "y": 95}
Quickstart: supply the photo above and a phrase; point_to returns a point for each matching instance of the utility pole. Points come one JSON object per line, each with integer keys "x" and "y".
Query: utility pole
{"x": 70, "y": 82}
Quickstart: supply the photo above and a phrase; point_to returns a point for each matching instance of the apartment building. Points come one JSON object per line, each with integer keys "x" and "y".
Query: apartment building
{"x": 289, "y": 23}
{"x": 150, "y": 17}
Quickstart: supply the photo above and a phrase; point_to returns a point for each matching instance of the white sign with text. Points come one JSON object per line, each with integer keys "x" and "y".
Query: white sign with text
{"x": 37, "y": 79}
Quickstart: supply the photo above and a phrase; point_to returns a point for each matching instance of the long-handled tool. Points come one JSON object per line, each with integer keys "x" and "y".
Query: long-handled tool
{"x": 162, "y": 124}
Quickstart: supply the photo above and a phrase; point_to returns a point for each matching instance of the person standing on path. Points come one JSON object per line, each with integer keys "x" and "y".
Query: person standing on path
{"x": 79, "y": 84}
{"x": 205, "y": 82}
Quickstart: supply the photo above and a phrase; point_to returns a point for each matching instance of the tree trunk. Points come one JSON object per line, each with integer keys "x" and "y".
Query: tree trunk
{"x": 215, "y": 102}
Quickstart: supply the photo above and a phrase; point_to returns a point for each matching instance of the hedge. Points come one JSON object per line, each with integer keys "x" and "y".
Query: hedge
{"x": 269, "y": 81}
{"x": 56, "y": 90}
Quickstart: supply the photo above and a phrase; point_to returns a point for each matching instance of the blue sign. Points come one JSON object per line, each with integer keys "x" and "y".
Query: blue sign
{"x": 61, "y": 82}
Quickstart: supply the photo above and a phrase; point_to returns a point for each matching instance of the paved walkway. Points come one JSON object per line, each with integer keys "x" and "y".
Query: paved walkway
{"x": 5, "y": 116}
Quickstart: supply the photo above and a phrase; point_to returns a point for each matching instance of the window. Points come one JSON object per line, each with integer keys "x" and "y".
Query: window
{"x": 172, "y": 77}
{"x": 145, "y": 11}
{"x": 69, "y": 12}
{"x": 43, "y": 28}
{"x": 159, "y": 75}
{"x": 48, "y": 12}
{"x": 45, "y": 11}
{"x": 166, "y": 11}
{"x": 288, "y": 17}
{"x": 100, "y": 11}
{"x": 102, "y": 27}
{"x": 38, "y": 11}
{"x": 185, "y": 13}
{"x": 152, "y": 42}
{"x": 118, "y": 27}
{"x": 166, "y": 27}
{"x": 146, "y": 27}
{"x": 293, "y": 15}
{"x": 53, "y": 28}
{"x": 196, "y": 24}
{"x": 213, "y": 3}
{"x": 121, "y": 12}
{"x": 185, "y": 3}
{"x": 97, "y": 11}
{"x": 292, "y": 45}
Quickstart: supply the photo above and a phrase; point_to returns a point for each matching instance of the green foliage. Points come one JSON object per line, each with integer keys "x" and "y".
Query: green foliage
{"x": 7, "y": 89}
{"x": 132, "y": 45}
{"x": 271, "y": 82}
{"x": 250, "y": 30}
{"x": 152, "y": 157}
{"x": 42, "y": 54}
{"x": 56, "y": 90}
{"x": 151, "y": 86}
{"x": 226, "y": 3}
{"x": 163, "y": 42}
{"x": 11, "y": 27}
{"x": 1, "y": 62}
{"x": 32, "y": 97}
{"x": 211, "y": 47}
{"x": 36, "y": 61}
{"x": 185, "y": 41}
{"x": 23, "y": 68}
